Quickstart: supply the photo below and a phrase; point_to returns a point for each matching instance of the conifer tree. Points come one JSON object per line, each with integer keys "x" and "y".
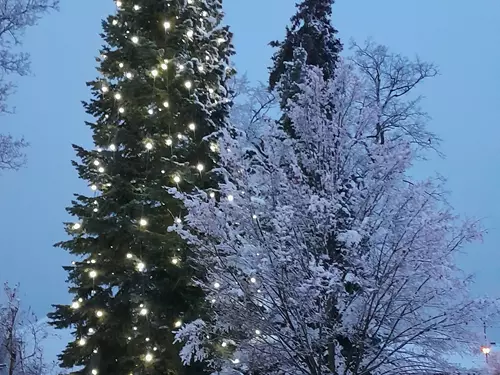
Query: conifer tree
{"x": 158, "y": 106}
{"x": 310, "y": 40}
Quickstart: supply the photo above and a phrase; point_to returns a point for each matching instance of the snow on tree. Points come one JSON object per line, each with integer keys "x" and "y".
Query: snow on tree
{"x": 352, "y": 274}
{"x": 157, "y": 107}
{"x": 21, "y": 337}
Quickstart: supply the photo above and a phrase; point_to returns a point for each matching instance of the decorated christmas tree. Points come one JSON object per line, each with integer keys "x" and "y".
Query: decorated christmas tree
{"x": 159, "y": 104}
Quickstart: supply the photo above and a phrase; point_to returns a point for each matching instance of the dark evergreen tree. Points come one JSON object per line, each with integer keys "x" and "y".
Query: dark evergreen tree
{"x": 158, "y": 105}
{"x": 310, "y": 40}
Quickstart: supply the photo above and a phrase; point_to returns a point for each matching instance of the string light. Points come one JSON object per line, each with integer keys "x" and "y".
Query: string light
{"x": 112, "y": 147}
{"x": 154, "y": 72}
{"x": 151, "y": 111}
{"x": 178, "y": 220}
{"x": 121, "y": 110}
{"x": 230, "y": 198}
{"x": 200, "y": 167}
{"x": 201, "y": 68}
{"x": 148, "y": 357}
{"x": 236, "y": 361}
{"x": 177, "y": 179}
{"x": 135, "y": 39}
{"x": 168, "y": 142}
{"x": 166, "y": 25}
{"x": 212, "y": 194}
{"x": 99, "y": 313}
{"x": 129, "y": 75}
{"x": 180, "y": 67}
{"x": 104, "y": 89}
{"x": 177, "y": 324}
{"x": 216, "y": 285}
{"x": 94, "y": 187}
{"x": 143, "y": 222}
{"x": 253, "y": 280}
{"x": 91, "y": 331}
{"x": 254, "y": 217}
{"x": 77, "y": 226}
{"x": 149, "y": 145}
{"x": 188, "y": 84}
{"x": 82, "y": 342}
{"x": 94, "y": 372}
{"x": 141, "y": 266}
{"x": 137, "y": 7}
{"x": 164, "y": 66}
{"x": 192, "y": 126}
{"x": 144, "y": 312}
{"x": 165, "y": 104}
{"x": 190, "y": 33}
{"x": 118, "y": 96}
{"x": 93, "y": 274}
{"x": 175, "y": 261}
{"x": 75, "y": 305}
{"x": 129, "y": 256}
{"x": 121, "y": 65}
{"x": 101, "y": 170}
{"x": 96, "y": 162}
{"x": 224, "y": 344}
{"x": 118, "y": 3}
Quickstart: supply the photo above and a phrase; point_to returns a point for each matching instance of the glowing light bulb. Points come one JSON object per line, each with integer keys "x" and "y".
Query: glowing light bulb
{"x": 149, "y": 145}
{"x": 91, "y": 331}
{"x": 101, "y": 170}
{"x": 135, "y": 39}
{"x": 213, "y": 300}
{"x": 164, "y": 66}
{"x": 200, "y": 167}
{"x": 129, "y": 256}
{"x": 253, "y": 280}
{"x": 254, "y": 217}
{"x": 216, "y": 285}
{"x": 94, "y": 372}
{"x": 224, "y": 344}
{"x": 190, "y": 33}
{"x": 148, "y": 357}
{"x": 177, "y": 324}
{"x": 212, "y": 194}
{"x": 121, "y": 65}
{"x": 82, "y": 342}
{"x": 211, "y": 90}
{"x": 121, "y": 110}
{"x": 144, "y": 312}
{"x": 177, "y": 179}
{"x": 141, "y": 266}
{"x": 166, "y": 25}
{"x": 97, "y": 162}
{"x": 93, "y": 261}
{"x": 99, "y": 314}
{"x": 188, "y": 84}
{"x": 147, "y": 339}
{"x": 180, "y": 136}
{"x": 192, "y": 126}
{"x": 115, "y": 22}
{"x": 77, "y": 226}
{"x": 93, "y": 274}
{"x": 178, "y": 220}
{"x": 180, "y": 67}
{"x": 230, "y": 198}
{"x": 165, "y": 104}
{"x": 75, "y": 305}
{"x": 204, "y": 13}
{"x": 112, "y": 147}
{"x": 201, "y": 68}
{"x": 220, "y": 40}
{"x": 168, "y": 142}
{"x": 118, "y": 3}
{"x": 151, "y": 111}
{"x": 129, "y": 75}
{"x": 236, "y": 361}
{"x": 154, "y": 72}
{"x": 155, "y": 349}
{"x": 175, "y": 261}
{"x": 94, "y": 187}
{"x": 104, "y": 89}
{"x": 143, "y": 222}
{"x": 118, "y": 96}
{"x": 137, "y": 7}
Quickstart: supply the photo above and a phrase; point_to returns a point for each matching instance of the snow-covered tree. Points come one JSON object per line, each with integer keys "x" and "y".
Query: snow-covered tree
{"x": 351, "y": 274}
{"x": 21, "y": 337}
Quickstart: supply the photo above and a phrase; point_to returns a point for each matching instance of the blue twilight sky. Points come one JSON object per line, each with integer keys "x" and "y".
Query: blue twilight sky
{"x": 461, "y": 37}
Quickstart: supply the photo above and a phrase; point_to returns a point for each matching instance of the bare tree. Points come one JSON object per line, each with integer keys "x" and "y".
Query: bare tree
{"x": 21, "y": 337}
{"x": 391, "y": 84}
{"x": 15, "y": 17}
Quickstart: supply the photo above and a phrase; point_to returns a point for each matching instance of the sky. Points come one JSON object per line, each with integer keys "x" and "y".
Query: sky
{"x": 461, "y": 37}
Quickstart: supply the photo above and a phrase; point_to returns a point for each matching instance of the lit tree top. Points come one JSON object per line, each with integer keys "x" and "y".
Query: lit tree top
{"x": 159, "y": 105}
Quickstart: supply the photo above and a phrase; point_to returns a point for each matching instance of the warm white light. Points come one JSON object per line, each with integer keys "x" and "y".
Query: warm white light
{"x": 147, "y": 339}
{"x": 201, "y": 68}
{"x": 230, "y": 198}
{"x": 128, "y": 75}
{"x": 91, "y": 331}
{"x": 216, "y": 285}
{"x": 221, "y": 40}
{"x": 135, "y": 39}
{"x": 236, "y": 361}
{"x": 165, "y": 104}
{"x": 95, "y": 351}
{"x": 149, "y": 145}
{"x": 121, "y": 65}
{"x": 75, "y": 305}
{"x": 118, "y": 3}
{"x": 257, "y": 332}
{"x": 154, "y": 72}
{"x": 104, "y": 89}
{"x": 188, "y": 84}
{"x": 175, "y": 261}
{"x": 129, "y": 256}
{"x": 115, "y": 22}
{"x": 151, "y": 111}
{"x": 121, "y": 110}
{"x": 155, "y": 348}
{"x": 224, "y": 344}
{"x": 99, "y": 314}
{"x": 253, "y": 280}
{"x": 166, "y": 25}
{"x": 94, "y": 187}
{"x": 93, "y": 274}
{"x": 211, "y": 90}
{"x": 141, "y": 266}
{"x": 82, "y": 342}
{"x": 144, "y": 312}
{"x": 143, "y": 222}
{"x": 177, "y": 179}
{"x": 212, "y": 194}
{"x": 190, "y": 33}
{"x": 137, "y": 7}
{"x": 192, "y": 126}
{"x": 177, "y": 324}
{"x": 148, "y": 357}
{"x": 77, "y": 226}
{"x": 213, "y": 300}
{"x": 112, "y": 147}
{"x": 94, "y": 372}
{"x": 254, "y": 217}
{"x": 168, "y": 142}
{"x": 180, "y": 136}
{"x": 204, "y": 13}
{"x": 180, "y": 67}
{"x": 92, "y": 261}
{"x": 178, "y": 220}
{"x": 164, "y": 66}
{"x": 118, "y": 96}
{"x": 97, "y": 162}
{"x": 101, "y": 170}
{"x": 199, "y": 167}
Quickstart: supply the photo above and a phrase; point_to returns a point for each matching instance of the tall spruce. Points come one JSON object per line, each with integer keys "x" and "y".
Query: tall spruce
{"x": 310, "y": 40}
{"x": 159, "y": 104}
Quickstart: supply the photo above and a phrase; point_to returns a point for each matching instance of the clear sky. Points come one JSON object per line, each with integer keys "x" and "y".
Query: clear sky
{"x": 461, "y": 37}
